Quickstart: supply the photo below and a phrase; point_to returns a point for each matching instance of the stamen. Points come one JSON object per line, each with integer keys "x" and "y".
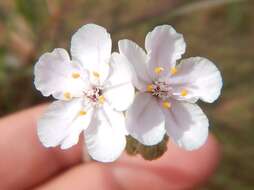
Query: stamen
{"x": 67, "y": 95}
{"x": 173, "y": 70}
{"x": 184, "y": 92}
{"x": 75, "y": 75}
{"x": 96, "y": 74}
{"x": 149, "y": 88}
{"x": 101, "y": 99}
{"x": 166, "y": 104}
{"x": 158, "y": 70}
{"x": 82, "y": 113}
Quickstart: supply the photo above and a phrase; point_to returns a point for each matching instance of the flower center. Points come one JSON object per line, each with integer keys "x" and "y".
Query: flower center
{"x": 94, "y": 95}
{"x": 165, "y": 91}
{"x": 160, "y": 89}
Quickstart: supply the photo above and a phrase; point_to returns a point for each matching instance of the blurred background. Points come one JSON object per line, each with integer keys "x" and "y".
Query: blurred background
{"x": 221, "y": 30}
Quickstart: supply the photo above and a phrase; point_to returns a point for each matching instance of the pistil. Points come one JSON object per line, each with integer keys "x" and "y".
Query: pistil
{"x": 95, "y": 96}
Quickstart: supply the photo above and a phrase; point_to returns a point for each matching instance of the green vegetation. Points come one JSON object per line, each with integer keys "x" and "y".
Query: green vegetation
{"x": 220, "y": 30}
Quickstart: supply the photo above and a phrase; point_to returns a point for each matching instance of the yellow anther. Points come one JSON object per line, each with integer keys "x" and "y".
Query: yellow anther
{"x": 75, "y": 75}
{"x": 96, "y": 74}
{"x": 184, "y": 92}
{"x": 166, "y": 104}
{"x": 67, "y": 95}
{"x": 149, "y": 88}
{"x": 101, "y": 99}
{"x": 158, "y": 70}
{"x": 82, "y": 113}
{"x": 173, "y": 70}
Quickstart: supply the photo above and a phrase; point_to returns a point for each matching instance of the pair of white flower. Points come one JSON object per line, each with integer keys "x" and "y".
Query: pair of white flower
{"x": 94, "y": 87}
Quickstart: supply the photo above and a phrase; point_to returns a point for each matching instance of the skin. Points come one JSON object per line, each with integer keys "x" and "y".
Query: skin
{"x": 26, "y": 164}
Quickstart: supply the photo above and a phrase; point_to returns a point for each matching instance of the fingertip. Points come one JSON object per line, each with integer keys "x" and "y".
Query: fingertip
{"x": 197, "y": 166}
{"x": 180, "y": 169}
{"x": 208, "y": 159}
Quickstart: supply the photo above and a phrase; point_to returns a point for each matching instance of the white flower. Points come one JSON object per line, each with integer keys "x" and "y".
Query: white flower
{"x": 92, "y": 88}
{"x": 168, "y": 91}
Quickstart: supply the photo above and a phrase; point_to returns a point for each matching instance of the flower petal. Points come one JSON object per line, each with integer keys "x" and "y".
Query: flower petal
{"x": 138, "y": 59}
{"x": 164, "y": 46}
{"x": 145, "y": 120}
{"x": 54, "y": 76}
{"x": 61, "y": 123}
{"x": 186, "y": 125}
{"x": 91, "y": 45}
{"x": 105, "y": 137}
{"x": 199, "y": 77}
{"x": 119, "y": 90}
